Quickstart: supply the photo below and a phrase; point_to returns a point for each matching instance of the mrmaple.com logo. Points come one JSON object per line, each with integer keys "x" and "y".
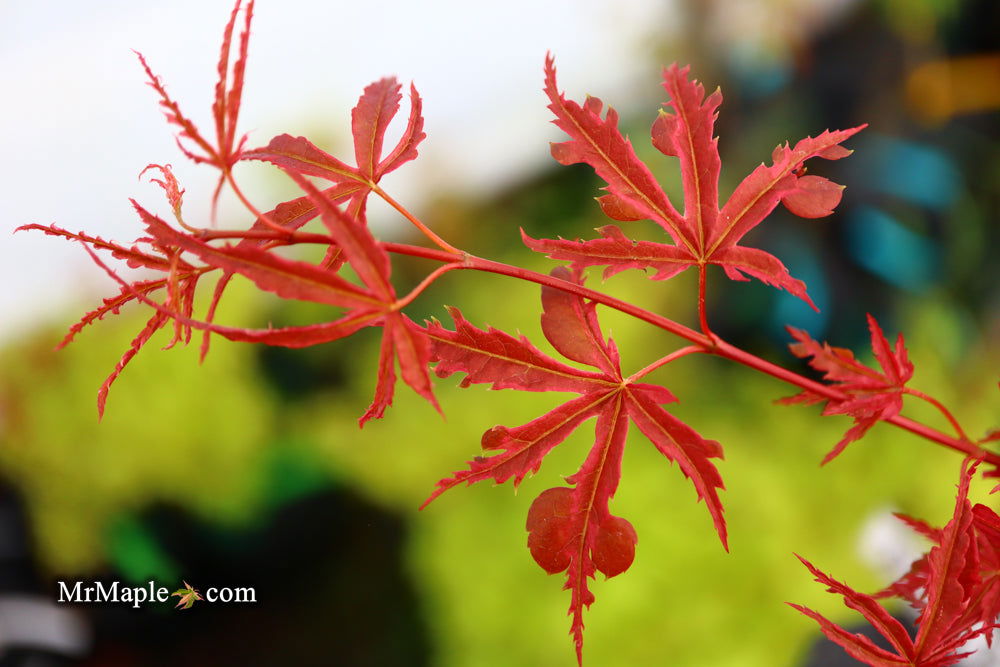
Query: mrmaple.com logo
{"x": 116, "y": 592}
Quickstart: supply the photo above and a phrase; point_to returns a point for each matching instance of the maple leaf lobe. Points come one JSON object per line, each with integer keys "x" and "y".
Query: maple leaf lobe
{"x": 548, "y": 526}
{"x": 614, "y": 546}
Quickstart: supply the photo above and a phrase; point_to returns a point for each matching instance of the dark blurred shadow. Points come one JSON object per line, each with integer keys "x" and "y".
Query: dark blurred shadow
{"x": 328, "y": 577}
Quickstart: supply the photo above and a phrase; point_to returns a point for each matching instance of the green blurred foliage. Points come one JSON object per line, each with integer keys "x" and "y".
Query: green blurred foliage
{"x": 173, "y": 432}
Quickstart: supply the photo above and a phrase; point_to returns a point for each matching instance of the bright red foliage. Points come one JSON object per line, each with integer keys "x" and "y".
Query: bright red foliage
{"x": 955, "y": 586}
{"x": 349, "y": 239}
{"x": 225, "y": 152}
{"x": 180, "y": 281}
{"x": 572, "y": 529}
{"x": 370, "y": 119}
{"x": 984, "y": 554}
{"x": 870, "y": 395}
{"x": 373, "y": 304}
{"x": 704, "y": 234}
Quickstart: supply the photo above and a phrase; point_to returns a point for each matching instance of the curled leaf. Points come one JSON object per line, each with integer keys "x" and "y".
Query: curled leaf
{"x": 571, "y": 529}
{"x": 813, "y": 197}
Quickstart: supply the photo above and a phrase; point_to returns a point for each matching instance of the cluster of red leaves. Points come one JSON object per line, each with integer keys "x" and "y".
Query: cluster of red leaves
{"x": 705, "y": 234}
{"x": 372, "y": 304}
{"x": 570, "y": 528}
{"x": 369, "y": 121}
{"x": 955, "y": 586}
{"x": 182, "y": 256}
{"x": 180, "y": 277}
{"x": 868, "y": 395}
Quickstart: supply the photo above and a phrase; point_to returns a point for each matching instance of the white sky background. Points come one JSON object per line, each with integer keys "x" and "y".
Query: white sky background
{"x": 78, "y": 124}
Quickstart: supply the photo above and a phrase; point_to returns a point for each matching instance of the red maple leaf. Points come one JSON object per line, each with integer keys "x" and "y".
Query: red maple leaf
{"x": 959, "y": 598}
{"x": 373, "y": 304}
{"x": 182, "y": 257}
{"x": 571, "y": 528}
{"x": 984, "y": 532}
{"x": 224, "y": 151}
{"x": 869, "y": 395}
{"x": 370, "y": 119}
{"x": 180, "y": 281}
{"x": 182, "y": 278}
{"x": 704, "y": 234}
{"x": 174, "y": 252}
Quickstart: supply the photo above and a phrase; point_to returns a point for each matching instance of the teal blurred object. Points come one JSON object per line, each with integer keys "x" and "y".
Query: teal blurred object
{"x": 896, "y": 254}
{"x": 910, "y": 170}
{"x": 788, "y": 310}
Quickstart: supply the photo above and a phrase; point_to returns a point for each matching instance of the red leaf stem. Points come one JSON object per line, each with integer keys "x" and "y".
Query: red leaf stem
{"x": 717, "y": 347}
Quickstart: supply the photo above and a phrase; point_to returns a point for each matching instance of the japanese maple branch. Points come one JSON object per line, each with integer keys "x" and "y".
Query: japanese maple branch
{"x": 713, "y": 345}
{"x": 250, "y": 207}
{"x": 702, "y": 316}
{"x": 427, "y": 231}
{"x": 663, "y": 361}
{"x": 426, "y": 282}
{"x": 941, "y": 408}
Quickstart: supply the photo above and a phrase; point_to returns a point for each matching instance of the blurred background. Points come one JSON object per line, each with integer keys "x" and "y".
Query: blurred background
{"x": 249, "y": 470}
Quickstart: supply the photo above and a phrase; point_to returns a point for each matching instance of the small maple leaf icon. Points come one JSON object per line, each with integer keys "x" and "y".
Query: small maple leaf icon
{"x": 187, "y": 596}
